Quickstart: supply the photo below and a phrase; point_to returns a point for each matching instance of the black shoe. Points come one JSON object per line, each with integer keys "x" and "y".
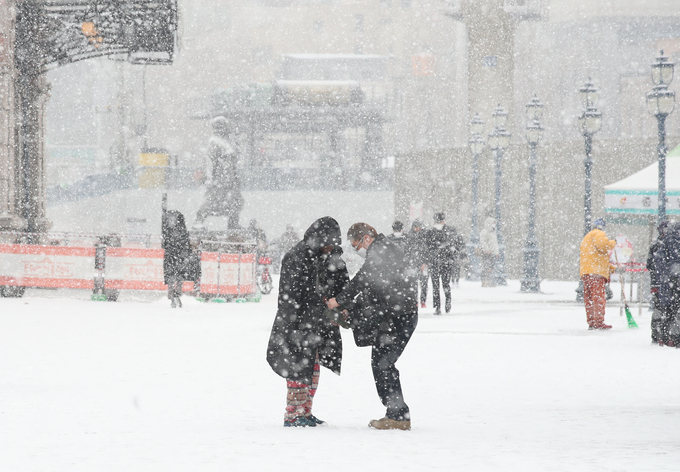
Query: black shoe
{"x": 316, "y": 420}
{"x": 437, "y": 311}
{"x": 299, "y": 422}
{"x": 173, "y": 303}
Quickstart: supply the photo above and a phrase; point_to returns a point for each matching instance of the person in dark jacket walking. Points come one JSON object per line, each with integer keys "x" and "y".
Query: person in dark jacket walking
{"x": 387, "y": 298}
{"x": 175, "y": 241}
{"x": 441, "y": 251}
{"x": 302, "y": 339}
{"x": 666, "y": 284}
{"x": 416, "y": 255}
{"x": 397, "y": 236}
{"x": 661, "y": 315}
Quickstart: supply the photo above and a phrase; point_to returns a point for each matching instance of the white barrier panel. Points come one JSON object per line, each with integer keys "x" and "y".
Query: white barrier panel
{"x": 124, "y": 268}
{"x": 134, "y": 269}
{"x": 236, "y": 275}
{"x": 28, "y": 265}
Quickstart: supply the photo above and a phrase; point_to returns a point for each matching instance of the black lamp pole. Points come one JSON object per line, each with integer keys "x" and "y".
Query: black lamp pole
{"x": 477, "y": 144}
{"x": 530, "y": 281}
{"x": 589, "y": 123}
{"x": 499, "y": 140}
{"x": 660, "y": 103}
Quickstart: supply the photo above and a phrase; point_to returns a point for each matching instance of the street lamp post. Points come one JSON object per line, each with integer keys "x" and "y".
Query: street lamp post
{"x": 531, "y": 282}
{"x": 477, "y": 145}
{"x": 589, "y": 123}
{"x": 660, "y": 103}
{"x": 499, "y": 140}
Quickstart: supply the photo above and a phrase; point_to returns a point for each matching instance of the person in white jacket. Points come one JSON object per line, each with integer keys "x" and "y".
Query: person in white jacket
{"x": 488, "y": 250}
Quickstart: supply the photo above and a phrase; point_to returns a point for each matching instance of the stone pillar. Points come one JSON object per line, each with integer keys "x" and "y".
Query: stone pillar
{"x": 10, "y": 205}
{"x": 490, "y": 57}
{"x": 31, "y": 93}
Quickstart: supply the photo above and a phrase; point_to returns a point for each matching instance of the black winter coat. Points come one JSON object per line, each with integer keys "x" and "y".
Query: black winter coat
{"x": 416, "y": 251}
{"x": 443, "y": 246}
{"x": 177, "y": 248}
{"x": 300, "y": 329}
{"x": 380, "y": 292}
{"x": 664, "y": 265}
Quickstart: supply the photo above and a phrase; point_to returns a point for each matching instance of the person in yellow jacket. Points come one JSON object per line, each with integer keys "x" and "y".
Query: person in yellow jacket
{"x": 595, "y": 272}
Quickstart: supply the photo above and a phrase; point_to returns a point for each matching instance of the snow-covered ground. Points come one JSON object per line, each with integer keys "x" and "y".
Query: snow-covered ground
{"x": 507, "y": 382}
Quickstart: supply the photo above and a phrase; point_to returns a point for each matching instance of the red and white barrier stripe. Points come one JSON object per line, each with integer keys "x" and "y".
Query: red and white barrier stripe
{"x": 134, "y": 269}
{"x": 124, "y": 268}
{"x": 29, "y": 265}
{"x": 227, "y": 274}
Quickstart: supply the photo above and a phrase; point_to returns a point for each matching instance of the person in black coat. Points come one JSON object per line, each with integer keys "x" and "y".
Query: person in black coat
{"x": 660, "y": 315}
{"x": 397, "y": 237}
{"x": 302, "y": 338}
{"x": 416, "y": 256}
{"x": 441, "y": 249}
{"x": 175, "y": 241}
{"x": 386, "y": 301}
{"x": 665, "y": 272}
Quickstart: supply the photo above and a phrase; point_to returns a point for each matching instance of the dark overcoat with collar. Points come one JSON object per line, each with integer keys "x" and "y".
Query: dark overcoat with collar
{"x": 300, "y": 330}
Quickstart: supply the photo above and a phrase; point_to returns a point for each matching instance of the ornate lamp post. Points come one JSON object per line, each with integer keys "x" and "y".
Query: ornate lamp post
{"x": 531, "y": 282}
{"x": 499, "y": 140}
{"x": 589, "y": 123}
{"x": 477, "y": 145}
{"x": 660, "y": 103}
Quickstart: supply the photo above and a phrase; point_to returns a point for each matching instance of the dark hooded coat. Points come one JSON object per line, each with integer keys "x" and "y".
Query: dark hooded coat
{"x": 177, "y": 248}
{"x": 300, "y": 329}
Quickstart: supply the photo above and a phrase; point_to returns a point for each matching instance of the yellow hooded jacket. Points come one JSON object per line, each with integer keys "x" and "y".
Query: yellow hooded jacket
{"x": 595, "y": 249}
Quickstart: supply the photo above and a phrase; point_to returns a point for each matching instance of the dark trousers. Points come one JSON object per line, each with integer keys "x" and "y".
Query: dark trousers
{"x": 422, "y": 280}
{"x": 385, "y": 354}
{"x": 174, "y": 287}
{"x": 441, "y": 273}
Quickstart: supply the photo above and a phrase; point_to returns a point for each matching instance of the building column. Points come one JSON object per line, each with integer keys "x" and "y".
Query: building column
{"x": 490, "y": 31}
{"x": 30, "y": 97}
{"x": 10, "y": 203}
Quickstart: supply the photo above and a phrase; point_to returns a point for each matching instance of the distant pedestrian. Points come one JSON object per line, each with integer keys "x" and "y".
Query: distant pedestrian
{"x": 397, "y": 237}
{"x": 595, "y": 270}
{"x": 388, "y": 301}
{"x": 441, "y": 248}
{"x": 416, "y": 255}
{"x": 175, "y": 242}
{"x": 488, "y": 250}
{"x": 302, "y": 338}
{"x": 658, "y": 270}
{"x": 666, "y": 265}
{"x": 459, "y": 255}
{"x": 285, "y": 243}
{"x": 256, "y": 232}
{"x": 288, "y": 239}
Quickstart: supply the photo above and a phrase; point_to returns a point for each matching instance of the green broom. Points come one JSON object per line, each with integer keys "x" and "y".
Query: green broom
{"x": 629, "y": 316}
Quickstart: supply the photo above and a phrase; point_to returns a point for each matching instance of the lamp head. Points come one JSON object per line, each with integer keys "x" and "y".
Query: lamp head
{"x": 476, "y": 125}
{"x": 500, "y": 117}
{"x": 589, "y": 94}
{"x": 534, "y": 109}
{"x": 662, "y": 70}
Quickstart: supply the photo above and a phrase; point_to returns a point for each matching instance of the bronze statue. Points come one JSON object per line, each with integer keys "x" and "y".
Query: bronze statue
{"x": 223, "y": 194}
